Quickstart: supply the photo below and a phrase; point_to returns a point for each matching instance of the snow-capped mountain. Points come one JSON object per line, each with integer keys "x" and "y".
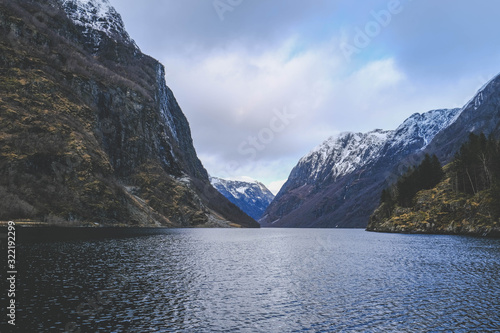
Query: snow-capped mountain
{"x": 338, "y": 184}
{"x": 341, "y": 155}
{"x": 97, "y": 17}
{"x": 332, "y": 185}
{"x": 418, "y": 130}
{"x": 252, "y": 197}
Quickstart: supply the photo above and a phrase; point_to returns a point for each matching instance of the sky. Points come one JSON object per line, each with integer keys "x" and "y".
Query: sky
{"x": 263, "y": 82}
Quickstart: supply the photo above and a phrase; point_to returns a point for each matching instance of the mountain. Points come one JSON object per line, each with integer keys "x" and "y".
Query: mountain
{"x": 480, "y": 115}
{"x": 89, "y": 130}
{"x": 252, "y": 197}
{"x": 338, "y": 184}
{"x": 445, "y": 208}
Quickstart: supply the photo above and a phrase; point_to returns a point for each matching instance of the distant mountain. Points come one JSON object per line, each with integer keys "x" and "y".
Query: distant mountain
{"x": 89, "y": 130}
{"x": 252, "y": 197}
{"x": 338, "y": 184}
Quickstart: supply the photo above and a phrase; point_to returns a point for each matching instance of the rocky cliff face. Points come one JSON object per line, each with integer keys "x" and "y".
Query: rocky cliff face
{"x": 89, "y": 130}
{"x": 252, "y": 197}
{"x": 338, "y": 184}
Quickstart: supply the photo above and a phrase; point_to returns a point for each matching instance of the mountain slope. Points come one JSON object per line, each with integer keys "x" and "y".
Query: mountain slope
{"x": 338, "y": 184}
{"x": 480, "y": 115}
{"x": 89, "y": 130}
{"x": 251, "y": 197}
{"x": 440, "y": 211}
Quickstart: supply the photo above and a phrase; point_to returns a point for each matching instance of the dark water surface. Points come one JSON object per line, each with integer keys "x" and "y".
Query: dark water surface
{"x": 261, "y": 280}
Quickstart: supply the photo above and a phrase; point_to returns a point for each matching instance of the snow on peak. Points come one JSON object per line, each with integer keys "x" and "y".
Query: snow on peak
{"x": 251, "y": 196}
{"x": 348, "y": 152}
{"x": 423, "y": 127}
{"x": 97, "y": 15}
{"x": 342, "y": 154}
{"x": 478, "y": 98}
{"x": 238, "y": 185}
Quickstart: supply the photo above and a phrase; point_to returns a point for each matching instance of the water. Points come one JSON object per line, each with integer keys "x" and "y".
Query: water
{"x": 267, "y": 280}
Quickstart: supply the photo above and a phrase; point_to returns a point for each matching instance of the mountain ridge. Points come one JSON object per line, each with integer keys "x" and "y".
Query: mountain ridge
{"x": 344, "y": 198}
{"x": 351, "y": 199}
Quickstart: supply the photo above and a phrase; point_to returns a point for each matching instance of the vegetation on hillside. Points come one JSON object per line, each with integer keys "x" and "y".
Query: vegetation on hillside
{"x": 423, "y": 177}
{"x": 461, "y": 199}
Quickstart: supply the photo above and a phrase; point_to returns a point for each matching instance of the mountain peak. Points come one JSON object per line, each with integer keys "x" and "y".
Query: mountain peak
{"x": 420, "y": 128}
{"x": 476, "y": 101}
{"x": 251, "y": 196}
{"x": 97, "y": 16}
{"x": 342, "y": 154}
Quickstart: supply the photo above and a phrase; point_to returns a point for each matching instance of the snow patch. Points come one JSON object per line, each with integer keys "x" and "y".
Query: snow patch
{"x": 348, "y": 152}
{"x": 97, "y": 15}
{"x": 344, "y": 153}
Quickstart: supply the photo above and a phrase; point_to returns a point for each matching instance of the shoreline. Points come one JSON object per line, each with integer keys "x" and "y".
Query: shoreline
{"x": 68, "y": 233}
{"x": 39, "y": 232}
{"x": 493, "y": 234}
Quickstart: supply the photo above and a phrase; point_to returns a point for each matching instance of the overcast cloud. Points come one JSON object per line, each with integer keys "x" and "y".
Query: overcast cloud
{"x": 262, "y": 82}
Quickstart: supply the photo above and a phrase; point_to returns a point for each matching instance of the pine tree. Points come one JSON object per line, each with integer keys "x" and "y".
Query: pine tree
{"x": 437, "y": 171}
{"x": 475, "y": 164}
{"x": 425, "y": 176}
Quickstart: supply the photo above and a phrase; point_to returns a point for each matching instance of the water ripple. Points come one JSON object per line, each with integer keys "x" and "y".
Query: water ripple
{"x": 270, "y": 280}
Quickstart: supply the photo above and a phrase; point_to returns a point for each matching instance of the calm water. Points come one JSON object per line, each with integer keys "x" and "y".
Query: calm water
{"x": 268, "y": 280}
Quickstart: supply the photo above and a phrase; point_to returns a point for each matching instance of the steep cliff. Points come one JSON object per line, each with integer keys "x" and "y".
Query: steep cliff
{"x": 89, "y": 130}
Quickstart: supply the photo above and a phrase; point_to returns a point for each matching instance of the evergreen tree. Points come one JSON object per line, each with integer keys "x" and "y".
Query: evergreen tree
{"x": 476, "y": 168}
{"x": 437, "y": 172}
{"x": 387, "y": 202}
{"x": 475, "y": 165}
{"x": 425, "y": 176}
{"x": 385, "y": 197}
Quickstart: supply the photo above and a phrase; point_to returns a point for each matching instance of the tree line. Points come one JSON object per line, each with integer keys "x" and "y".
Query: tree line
{"x": 475, "y": 168}
{"x": 422, "y": 177}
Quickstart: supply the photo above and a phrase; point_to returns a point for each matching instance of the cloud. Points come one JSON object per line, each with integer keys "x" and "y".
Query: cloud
{"x": 233, "y": 95}
{"x": 232, "y": 76}
{"x": 275, "y": 186}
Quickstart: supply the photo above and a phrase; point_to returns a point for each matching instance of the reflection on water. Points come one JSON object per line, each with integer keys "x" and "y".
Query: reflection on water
{"x": 267, "y": 280}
